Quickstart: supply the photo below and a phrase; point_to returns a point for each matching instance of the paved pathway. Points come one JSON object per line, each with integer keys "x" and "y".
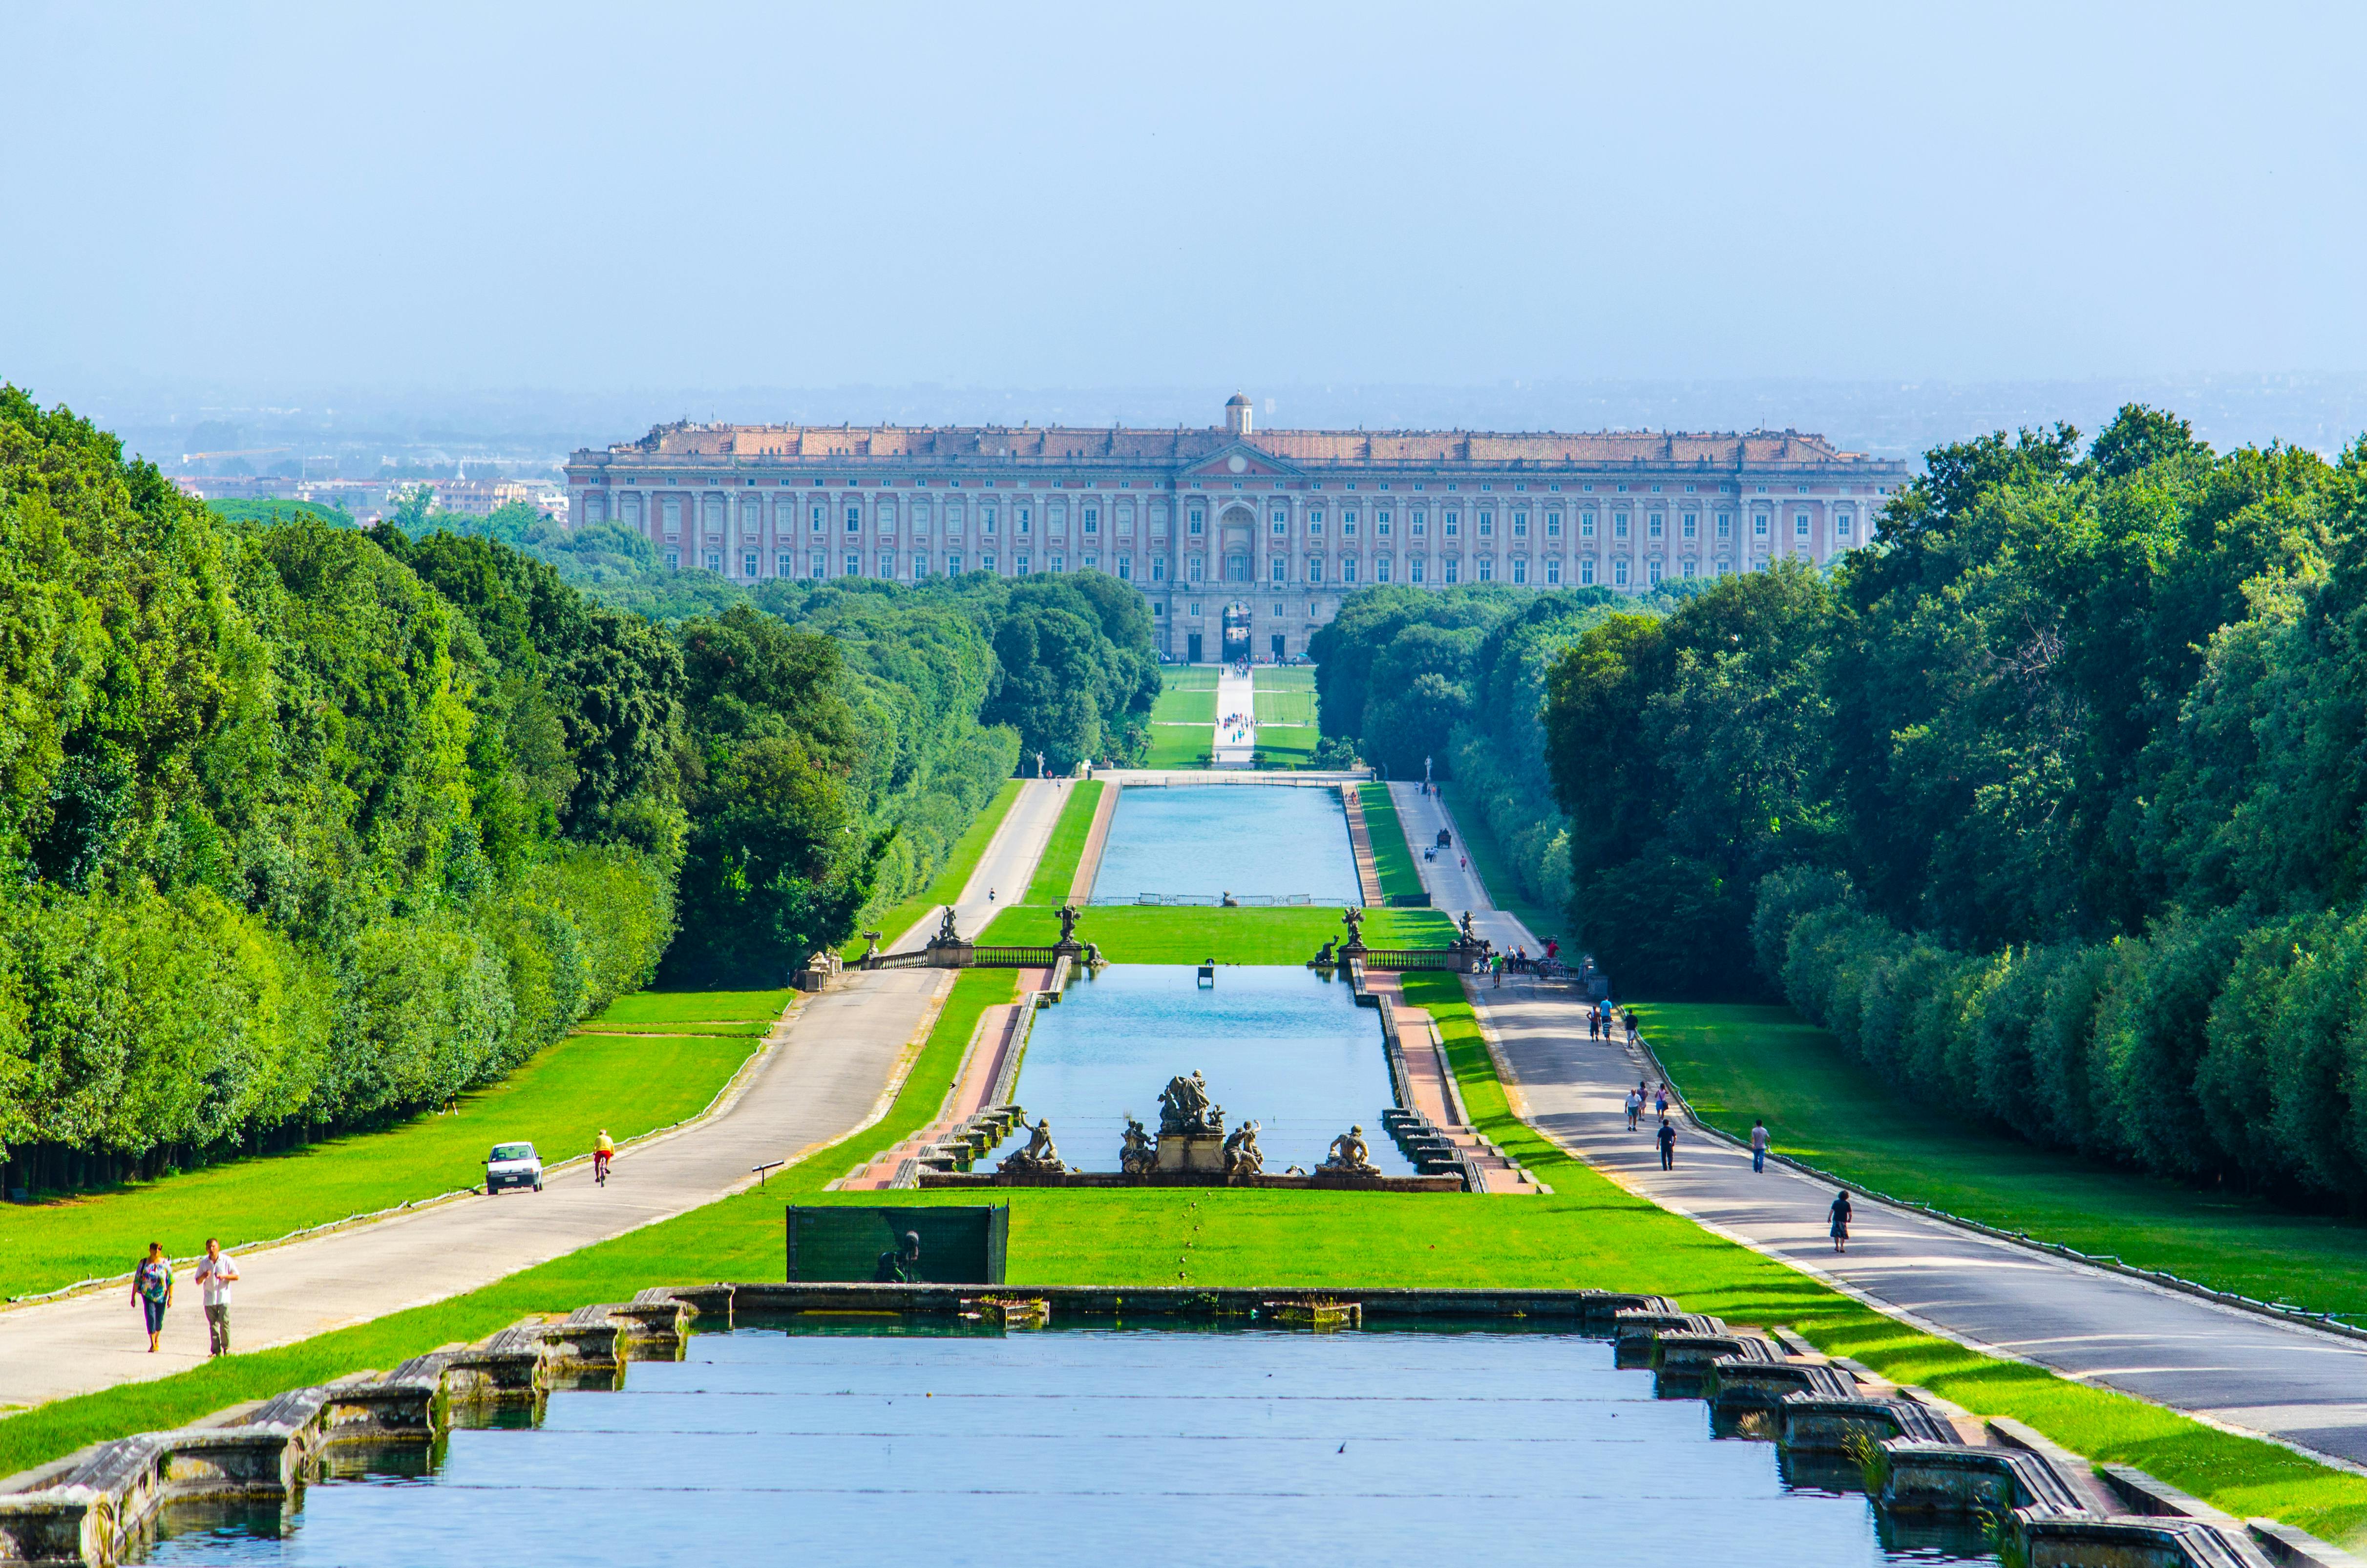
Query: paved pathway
{"x": 1236, "y": 696}
{"x": 1453, "y": 886}
{"x": 2236, "y": 1367}
{"x": 1004, "y": 871}
{"x": 829, "y": 1071}
{"x": 2233, "y": 1368}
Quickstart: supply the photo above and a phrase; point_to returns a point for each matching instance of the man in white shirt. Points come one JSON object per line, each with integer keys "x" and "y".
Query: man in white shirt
{"x": 215, "y": 1272}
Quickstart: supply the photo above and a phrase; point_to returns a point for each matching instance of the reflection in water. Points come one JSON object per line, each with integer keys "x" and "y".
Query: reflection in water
{"x": 1093, "y": 1447}
{"x": 1282, "y": 1046}
{"x": 1262, "y": 840}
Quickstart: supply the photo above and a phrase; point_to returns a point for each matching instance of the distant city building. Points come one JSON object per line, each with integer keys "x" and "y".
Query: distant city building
{"x": 366, "y": 499}
{"x": 1241, "y": 540}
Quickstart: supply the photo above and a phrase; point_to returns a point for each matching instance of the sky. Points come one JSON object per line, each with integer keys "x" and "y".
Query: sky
{"x": 604, "y": 197}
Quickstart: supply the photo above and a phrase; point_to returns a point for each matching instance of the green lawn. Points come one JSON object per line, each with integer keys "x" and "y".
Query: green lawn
{"x": 1391, "y": 856}
{"x": 1186, "y": 696}
{"x": 1590, "y": 1232}
{"x": 951, "y": 879}
{"x": 1286, "y": 745}
{"x": 1057, "y": 870}
{"x": 1180, "y": 746}
{"x": 1823, "y": 1106}
{"x": 628, "y": 1083}
{"x": 760, "y": 1008}
{"x": 1503, "y": 888}
{"x": 1145, "y": 934}
{"x": 1284, "y": 696}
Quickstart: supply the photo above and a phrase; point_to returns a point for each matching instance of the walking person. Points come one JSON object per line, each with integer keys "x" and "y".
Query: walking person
{"x": 151, "y": 1288}
{"x": 1634, "y": 1109}
{"x": 602, "y": 1153}
{"x": 1758, "y": 1144}
{"x": 214, "y": 1274}
{"x": 1841, "y": 1215}
{"x": 1660, "y": 1102}
{"x": 1668, "y": 1145}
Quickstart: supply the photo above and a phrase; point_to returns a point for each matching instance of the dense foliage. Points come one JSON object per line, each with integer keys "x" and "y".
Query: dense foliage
{"x": 2049, "y": 804}
{"x": 1455, "y": 678}
{"x": 306, "y": 826}
{"x": 299, "y": 837}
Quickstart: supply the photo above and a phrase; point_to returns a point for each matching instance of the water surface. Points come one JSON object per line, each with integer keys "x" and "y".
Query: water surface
{"x": 1089, "y": 1446}
{"x": 1283, "y": 1046}
{"x": 1250, "y": 840}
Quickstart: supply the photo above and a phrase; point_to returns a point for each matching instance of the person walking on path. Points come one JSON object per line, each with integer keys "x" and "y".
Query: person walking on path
{"x": 1631, "y": 1028}
{"x": 1660, "y": 1102}
{"x": 1841, "y": 1215}
{"x": 1635, "y": 1107}
{"x": 1668, "y": 1145}
{"x": 1758, "y": 1144}
{"x": 214, "y": 1273}
{"x": 151, "y": 1288}
{"x": 602, "y": 1153}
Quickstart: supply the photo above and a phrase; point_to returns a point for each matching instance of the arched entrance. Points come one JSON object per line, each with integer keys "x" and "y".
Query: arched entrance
{"x": 1237, "y": 632}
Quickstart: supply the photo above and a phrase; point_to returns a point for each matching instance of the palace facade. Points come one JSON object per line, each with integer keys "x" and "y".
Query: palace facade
{"x": 1231, "y": 533}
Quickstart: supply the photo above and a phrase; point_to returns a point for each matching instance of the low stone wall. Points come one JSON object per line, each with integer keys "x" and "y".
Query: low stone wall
{"x": 1916, "y": 1455}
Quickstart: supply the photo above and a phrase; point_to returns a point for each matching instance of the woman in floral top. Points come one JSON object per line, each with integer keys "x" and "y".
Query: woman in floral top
{"x": 152, "y": 1287}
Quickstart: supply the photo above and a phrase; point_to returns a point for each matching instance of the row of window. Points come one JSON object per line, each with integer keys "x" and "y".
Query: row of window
{"x": 671, "y": 509}
{"x": 892, "y": 564}
{"x": 833, "y": 482}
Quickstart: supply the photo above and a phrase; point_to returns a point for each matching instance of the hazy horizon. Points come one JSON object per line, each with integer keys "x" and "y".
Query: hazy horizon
{"x": 591, "y": 200}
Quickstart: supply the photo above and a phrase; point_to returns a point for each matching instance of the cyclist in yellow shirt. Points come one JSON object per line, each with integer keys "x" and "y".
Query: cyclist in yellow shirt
{"x": 602, "y": 1153}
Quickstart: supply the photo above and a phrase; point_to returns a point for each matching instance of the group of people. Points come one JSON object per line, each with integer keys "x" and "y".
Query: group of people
{"x": 1603, "y": 1023}
{"x": 151, "y": 1292}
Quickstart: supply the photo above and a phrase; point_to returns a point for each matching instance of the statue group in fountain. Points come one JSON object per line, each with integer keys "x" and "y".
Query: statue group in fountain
{"x": 1185, "y": 1110}
{"x": 1138, "y": 1153}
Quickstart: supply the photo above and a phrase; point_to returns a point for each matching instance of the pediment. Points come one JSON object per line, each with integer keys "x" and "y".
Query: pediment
{"x": 1242, "y": 460}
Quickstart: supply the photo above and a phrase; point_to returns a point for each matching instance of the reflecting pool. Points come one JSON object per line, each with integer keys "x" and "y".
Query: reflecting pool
{"x": 1282, "y": 1046}
{"x": 1090, "y": 1446}
{"x": 1250, "y": 840}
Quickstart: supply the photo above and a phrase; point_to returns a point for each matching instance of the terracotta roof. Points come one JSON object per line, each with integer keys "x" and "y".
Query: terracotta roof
{"x": 1124, "y": 445}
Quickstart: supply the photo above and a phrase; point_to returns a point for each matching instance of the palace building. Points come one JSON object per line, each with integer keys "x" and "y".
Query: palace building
{"x": 1242, "y": 540}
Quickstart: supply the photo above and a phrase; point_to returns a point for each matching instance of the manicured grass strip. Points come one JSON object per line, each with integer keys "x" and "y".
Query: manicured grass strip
{"x": 1180, "y": 746}
{"x": 951, "y": 878}
{"x": 1186, "y": 704}
{"x": 693, "y": 1006}
{"x": 1391, "y": 856}
{"x": 1057, "y": 870}
{"x": 748, "y": 1029}
{"x": 1478, "y": 841}
{"x": 1288, "y": 745}
{"x": 1188, "y": 677}
{"x": 737, "y": 1238}
{"x": 1282, "y": 699}
{"x": 558, "y": 1101}
{"x": 1142, "y": 934}
{"x": 1826, "y": 1106}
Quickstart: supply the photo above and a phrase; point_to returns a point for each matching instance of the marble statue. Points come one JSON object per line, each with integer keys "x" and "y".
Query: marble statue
{"x": 1039, "y": 1158}
{"x": 1139, "y": 1152}
{"x": 1242, "y": 1155}
{"x": 1185, "y": 1108}
{"x": 947, "y": 936}
{"x": 1349, "y": 1155}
